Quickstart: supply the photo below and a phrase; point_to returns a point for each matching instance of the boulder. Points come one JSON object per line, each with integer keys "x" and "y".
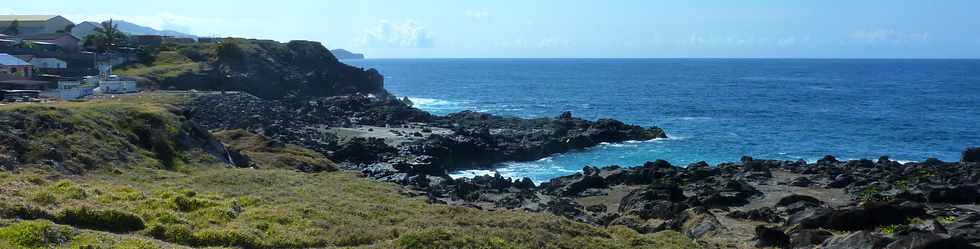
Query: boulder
{"x": 656, "y": 201}
{"x": 808, "y": 238}
{"x": 791, "y": 199}
{"x": 565, "y": 207}
{"x": 732, "y": 193}
{"x": 639, "y": 224}
{"x": 963, "y": 194}
{"x": 918, "y": 240}
{"x": 856, "y": 240}
{"x": 767, "y": 237}
{"x": 971, "y": 155}
{"x": 764, "y": 214}
{"x": 841, "y": 181}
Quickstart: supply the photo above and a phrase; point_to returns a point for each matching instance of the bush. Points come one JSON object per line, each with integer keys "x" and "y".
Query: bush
{"x": 190, "y": 204}
{"x": 176, "y": 233}
{"x": 68, "y": 190}
{"x": 35, "y": 234}
{"x": 438, "y": 238}
{"x": 193, "y": 53}
{"x": 231, "y": 238}
{"x": 20, "y": 211}
{"x": 103, "y": 220}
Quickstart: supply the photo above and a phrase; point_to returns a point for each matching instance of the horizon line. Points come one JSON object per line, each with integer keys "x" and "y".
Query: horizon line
{"x": 647, "y": 58}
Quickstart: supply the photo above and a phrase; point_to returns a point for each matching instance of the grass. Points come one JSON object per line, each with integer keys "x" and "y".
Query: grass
{"x": 276, "y": 208}
{"x": 262, "y": 151}
{"x": 168, "y": 64}
{"x": 132, "y": 201}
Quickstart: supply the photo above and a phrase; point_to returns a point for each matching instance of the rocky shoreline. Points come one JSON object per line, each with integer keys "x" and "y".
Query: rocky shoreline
{"x": 466, "y": 140}
{"x": 747, "y": 204}
{"x": 756, "y": 203}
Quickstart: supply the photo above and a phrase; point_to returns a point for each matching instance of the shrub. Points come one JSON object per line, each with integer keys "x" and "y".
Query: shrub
{"x": 68, "y": 190}
{"x": 190, "y": 204}
{"x": 42, "y": 197}
{"x": 193, "y": 53}
{"x": 21, "y": 211}
{"x": 231, "y": 238}
{"x": 438, "y": 238}
{"x": 135, "y": 244}
{"x": 35, "y": 234}
{"x": 946, "y": 220}
{"x": 176, "y": 233}
{"x": 104, "y": 220}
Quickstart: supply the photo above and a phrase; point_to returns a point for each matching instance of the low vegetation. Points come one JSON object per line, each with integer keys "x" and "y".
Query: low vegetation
{"x": 138, "y": 202}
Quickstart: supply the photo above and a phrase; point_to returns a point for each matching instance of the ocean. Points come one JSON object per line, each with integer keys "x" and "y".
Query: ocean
{"x": 714, "y": 110}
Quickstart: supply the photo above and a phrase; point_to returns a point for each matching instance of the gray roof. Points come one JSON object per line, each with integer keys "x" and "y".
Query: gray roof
{"x": 27, "y": 18}
{"x": 10, "y": 60}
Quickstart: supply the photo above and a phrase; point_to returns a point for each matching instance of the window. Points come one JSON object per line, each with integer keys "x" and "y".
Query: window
{"x": 13, "y": 70}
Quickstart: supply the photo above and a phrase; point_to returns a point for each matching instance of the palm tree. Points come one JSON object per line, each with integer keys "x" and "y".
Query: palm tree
{"x": 106, "y": 38}
{"x": 113, "y": 38}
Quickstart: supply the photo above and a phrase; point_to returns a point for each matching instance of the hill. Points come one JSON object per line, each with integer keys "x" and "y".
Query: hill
{"x": 267, "y": 69}
{"x": 343, "y": 54}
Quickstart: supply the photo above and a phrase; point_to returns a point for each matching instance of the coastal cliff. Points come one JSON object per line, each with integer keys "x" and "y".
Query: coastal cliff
{"x": 267, "y": 69}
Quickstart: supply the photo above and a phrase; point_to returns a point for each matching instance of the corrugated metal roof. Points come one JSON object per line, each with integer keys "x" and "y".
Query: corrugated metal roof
{"x": 10, "y": 60}
{"x": 26, "y": 18}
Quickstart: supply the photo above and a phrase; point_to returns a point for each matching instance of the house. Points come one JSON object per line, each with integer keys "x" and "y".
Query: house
{"x": 43, "y": 63}
{"x": 65, "y": 41}
{"x": 111, "y": 84}
{"x": 69, "y": 89}
{"x": 35, "y": 24}
{"x": 115, "y": 84}
{"x": 13, "y": 68}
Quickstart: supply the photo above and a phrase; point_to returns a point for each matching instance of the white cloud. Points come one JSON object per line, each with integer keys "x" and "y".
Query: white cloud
{"x": 481, "y": 15}
{"x": 888, "y": 36}
{"x": 397, "y": 35}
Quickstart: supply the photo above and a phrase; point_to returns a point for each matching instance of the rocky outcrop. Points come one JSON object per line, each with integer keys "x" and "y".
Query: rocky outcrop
{"x": 476, "y": 139}
{"x": 885, "y": 205}
{"x": 272, "y": 70}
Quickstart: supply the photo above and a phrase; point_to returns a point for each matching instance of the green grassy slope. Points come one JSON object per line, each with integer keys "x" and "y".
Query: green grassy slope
{"x": 138, "y": 204}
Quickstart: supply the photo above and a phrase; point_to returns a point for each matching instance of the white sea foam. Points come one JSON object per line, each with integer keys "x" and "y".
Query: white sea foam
{"x": 422, "y": 103}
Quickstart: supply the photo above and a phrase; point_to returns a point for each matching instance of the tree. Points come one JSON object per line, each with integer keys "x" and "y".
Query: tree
{"x": 106, "y": 38}
{"x": 13, "y": 29}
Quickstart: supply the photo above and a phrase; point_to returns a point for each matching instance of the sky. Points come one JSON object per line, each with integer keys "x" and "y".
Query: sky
{"x": 568, "y": 28}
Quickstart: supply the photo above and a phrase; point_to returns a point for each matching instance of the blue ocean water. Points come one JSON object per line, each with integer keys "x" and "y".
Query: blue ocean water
{"x": 714, "y": 110}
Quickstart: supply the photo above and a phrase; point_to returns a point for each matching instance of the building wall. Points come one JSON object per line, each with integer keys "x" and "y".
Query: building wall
{"x": 49, "y": 63}
{"x": 67, "y": 42}
{"x": 38, "y": 27}
{"x": 16, "y": 72}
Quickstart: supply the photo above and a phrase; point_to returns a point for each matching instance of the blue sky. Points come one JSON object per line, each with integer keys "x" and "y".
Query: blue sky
{"x": 569, "y": 28}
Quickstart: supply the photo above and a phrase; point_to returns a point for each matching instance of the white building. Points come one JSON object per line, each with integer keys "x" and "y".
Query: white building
{"x": 69, "y": 90}
{"x": 44, "y": 63}
{"x": 115, "y": 84}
